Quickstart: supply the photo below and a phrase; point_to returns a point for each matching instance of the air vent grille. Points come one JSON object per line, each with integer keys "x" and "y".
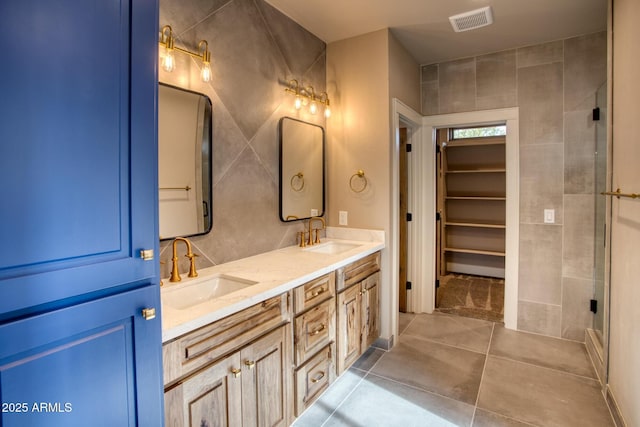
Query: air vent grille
{"x": 471, "y": 20}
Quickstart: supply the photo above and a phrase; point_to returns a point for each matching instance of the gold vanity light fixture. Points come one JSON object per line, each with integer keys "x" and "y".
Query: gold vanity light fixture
{"x": 168, "y": 61}
{"x": 307, "y": 96}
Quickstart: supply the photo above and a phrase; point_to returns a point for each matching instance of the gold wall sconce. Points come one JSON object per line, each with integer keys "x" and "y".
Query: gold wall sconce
{"x": 168, "y": 61}
{"x": 307, "y": 96}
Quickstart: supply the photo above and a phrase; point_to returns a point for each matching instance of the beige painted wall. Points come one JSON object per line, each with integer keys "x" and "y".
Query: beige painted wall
{"x": 624, "y": 350}
{"x": 363, "y": 73}
{"x": 404, "y": 75}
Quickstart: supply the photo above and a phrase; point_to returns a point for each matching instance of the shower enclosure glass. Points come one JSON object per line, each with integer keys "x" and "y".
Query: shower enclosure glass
{"x": 600, "y": 211}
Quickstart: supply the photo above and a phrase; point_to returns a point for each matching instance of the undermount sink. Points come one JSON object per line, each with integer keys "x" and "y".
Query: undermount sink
{"x": 332, "y": 248}
{"x": 182, "y": 296}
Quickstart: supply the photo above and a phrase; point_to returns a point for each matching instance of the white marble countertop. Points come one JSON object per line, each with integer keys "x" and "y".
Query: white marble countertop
{"x": 275, "y": 272}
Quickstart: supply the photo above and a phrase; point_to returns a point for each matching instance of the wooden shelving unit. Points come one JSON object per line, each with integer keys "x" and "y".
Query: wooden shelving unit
{"x": 473, "y": 198}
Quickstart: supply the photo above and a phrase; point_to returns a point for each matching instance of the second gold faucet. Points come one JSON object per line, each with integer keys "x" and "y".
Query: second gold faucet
{"x": 317, "y": 230}
{"x": 175, "y": 273}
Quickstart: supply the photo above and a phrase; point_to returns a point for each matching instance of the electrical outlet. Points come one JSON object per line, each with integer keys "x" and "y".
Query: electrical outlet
{"x": 343, "y": 218}
{"x": 549, "y": 216}
{"x": 314, "y": 212}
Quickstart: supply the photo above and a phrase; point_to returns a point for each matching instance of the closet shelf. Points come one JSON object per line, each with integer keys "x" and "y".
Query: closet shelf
{"x": 495, "y": 170}
{"x": 476, "y": 141}
{"x": 474, "y": 198}
{"x": 476, "y": 224}
{"x": 474, "y": 251}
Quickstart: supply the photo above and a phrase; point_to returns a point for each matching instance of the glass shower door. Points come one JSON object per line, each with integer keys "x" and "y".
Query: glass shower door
{"x": 600, "y": 211}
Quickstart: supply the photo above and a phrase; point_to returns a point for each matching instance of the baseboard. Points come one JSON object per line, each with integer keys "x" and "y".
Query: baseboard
{"x": 596, "y": 353}
{"x": 613, "y": 407}
{"x": 385, "y": 344}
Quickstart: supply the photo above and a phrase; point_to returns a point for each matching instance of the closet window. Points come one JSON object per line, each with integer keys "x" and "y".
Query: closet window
{"x": 479, "y": 132}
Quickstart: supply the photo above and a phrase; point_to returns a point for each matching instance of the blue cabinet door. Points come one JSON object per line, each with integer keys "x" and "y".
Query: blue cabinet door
{"x": 78, "y": 156}
{"x": 92, "y": 364}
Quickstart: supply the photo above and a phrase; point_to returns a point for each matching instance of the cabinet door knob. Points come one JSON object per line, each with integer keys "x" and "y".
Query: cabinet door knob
{"x": 149, "y": 313}
{"x": 236, "y": 372}
{"x": 318, "y": 292}
{"x": 250, "y": 364}
{"x": 147, "y": 254}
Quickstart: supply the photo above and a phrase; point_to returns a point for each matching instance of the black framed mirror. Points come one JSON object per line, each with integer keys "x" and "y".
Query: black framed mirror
{"x": 184, "y": 162}
{"x": 302, "y": 156}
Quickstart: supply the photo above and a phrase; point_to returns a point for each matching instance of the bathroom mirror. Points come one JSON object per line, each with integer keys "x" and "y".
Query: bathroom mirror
{"x": 301, "y": 169}
{"x": 184, "y": 162}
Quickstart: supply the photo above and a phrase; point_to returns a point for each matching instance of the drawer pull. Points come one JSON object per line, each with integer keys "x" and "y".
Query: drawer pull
{"x": 250, "y": 364}
{"x": 318, "y": 378}
{"x": 236, "y": 372}
{"x": 317, "y": 331}
{"x": 318, "y": 292}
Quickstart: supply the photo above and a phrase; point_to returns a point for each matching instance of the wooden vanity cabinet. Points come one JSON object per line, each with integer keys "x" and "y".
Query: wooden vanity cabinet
{"x": 357, "y": 309}
{"x": 237, "y": 374}
{"x": 314, "y": 339}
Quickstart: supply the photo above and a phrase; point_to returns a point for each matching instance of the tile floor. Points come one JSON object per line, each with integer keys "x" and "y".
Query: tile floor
{"x": 453, "y": 371}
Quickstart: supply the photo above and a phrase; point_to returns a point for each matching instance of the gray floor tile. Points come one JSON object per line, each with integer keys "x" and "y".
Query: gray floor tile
{"x": 380, "y": 402}
{"x": 463, "y": 332}
{"x": 542, "y": 396}
{"x": 404, "y": 319}
{"x": 568, "y": 356}
{"x": 442, "y": 369}
{"x": 368, "y": 359}
{"x": 322, "y": 408}
{"x": 484, "y": 418}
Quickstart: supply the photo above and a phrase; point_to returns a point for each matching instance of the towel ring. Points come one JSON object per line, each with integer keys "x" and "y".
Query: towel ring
{"x": 359, "y": 174}
{"x": 300, "y": 186}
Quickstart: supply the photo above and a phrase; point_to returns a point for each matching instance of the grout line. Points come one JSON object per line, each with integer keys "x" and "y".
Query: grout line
{"x": 545, "y": 367}
{"x": 509, "y": 418}
{"x": 345, "y": 398}
{"x": 446, "y": 344}
{"x": 424, "y": 390}
{"x": 484, "y": 368}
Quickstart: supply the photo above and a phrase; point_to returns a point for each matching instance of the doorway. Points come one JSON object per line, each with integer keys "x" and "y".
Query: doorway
{"x": 470, "y": 220}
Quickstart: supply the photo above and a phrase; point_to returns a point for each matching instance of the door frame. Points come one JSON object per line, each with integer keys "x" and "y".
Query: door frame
{"x": 422, "y": 188}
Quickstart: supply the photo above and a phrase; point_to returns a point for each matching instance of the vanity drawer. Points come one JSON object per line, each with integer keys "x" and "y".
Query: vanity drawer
{"x": 357, "y": 271}
{"x": 314, "y": 329}
{"x": 314, "y": 377}
{"x": 314, "y": 292}
{"x": 209, "y": 343}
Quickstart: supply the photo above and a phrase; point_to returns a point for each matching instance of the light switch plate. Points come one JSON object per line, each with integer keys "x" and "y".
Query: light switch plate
{"x": 343, "y": 218}
{"x": 549, "y": 216}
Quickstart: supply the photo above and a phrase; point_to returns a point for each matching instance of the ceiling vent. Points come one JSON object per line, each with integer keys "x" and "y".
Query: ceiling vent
{"x": 471, "y": 20}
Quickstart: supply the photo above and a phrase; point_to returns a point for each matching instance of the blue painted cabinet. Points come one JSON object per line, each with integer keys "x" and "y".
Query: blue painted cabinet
{"x": 78, "y": 204}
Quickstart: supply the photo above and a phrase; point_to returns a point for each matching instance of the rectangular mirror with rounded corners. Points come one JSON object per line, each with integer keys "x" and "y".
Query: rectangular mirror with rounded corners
{"x": 184, "y": 162}
{"x": 302, "y": 151}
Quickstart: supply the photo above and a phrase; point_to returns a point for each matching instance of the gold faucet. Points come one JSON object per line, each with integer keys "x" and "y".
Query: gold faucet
{"x": 175, "y": 274}
{"x": 317, "y": 230}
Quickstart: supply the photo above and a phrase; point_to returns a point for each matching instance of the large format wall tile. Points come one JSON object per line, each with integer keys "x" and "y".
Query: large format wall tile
{"x": 299, "y": 47}
{"x": 540, "y": 54}
{"x": 540, "y": 276}
{"x": 583, "y": 62}
{"x": 576, "y": 315}
{"x": 539, "y": 318}
{"x": 577, "y": 256}
{"x": 247, "y": 65}
{"x": 496, "y": 80}
{"x": 540, "y": 101}
{"x": 183, "y": 15}
{"x": 541, "y": 179}
{"x": 457, "y": 86}
{"x": 579, "y": 152}
{"x": 251, "y": 59}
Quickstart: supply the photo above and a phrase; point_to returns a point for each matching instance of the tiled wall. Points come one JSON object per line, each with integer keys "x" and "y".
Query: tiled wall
{"x": 554, "y": 86}
{"x": 254, "y": 50}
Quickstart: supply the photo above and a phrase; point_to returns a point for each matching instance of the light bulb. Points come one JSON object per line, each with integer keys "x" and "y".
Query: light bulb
{"x": 168, "y": 62}
{"x": 327, "y": 112}
{"x": 313, "y": 107}
{"x": 205, "y": 72}
{"x": 298, "y": 102}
